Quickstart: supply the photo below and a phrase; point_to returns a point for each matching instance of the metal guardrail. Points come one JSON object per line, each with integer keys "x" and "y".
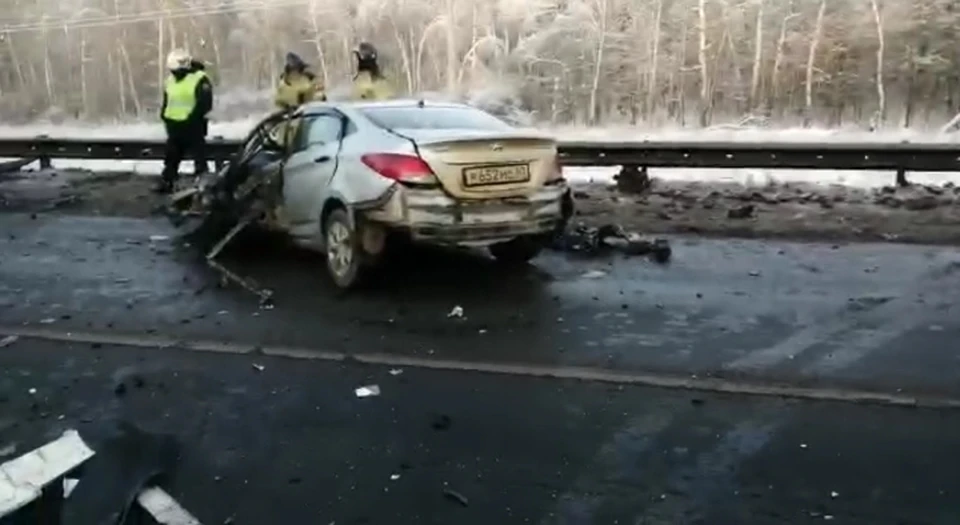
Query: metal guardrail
{"x": 896, "y": 157}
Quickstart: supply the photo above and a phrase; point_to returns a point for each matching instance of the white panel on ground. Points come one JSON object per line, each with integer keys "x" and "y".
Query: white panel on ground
{"x": 23, "y": 479}
{"x": 164, "y": 509}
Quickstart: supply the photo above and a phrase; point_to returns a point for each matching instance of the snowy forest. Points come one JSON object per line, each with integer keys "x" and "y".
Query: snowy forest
{"x": 869, "y": 63}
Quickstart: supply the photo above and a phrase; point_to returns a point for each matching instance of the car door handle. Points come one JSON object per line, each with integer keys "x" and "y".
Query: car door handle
{"x": 322, "y": 159}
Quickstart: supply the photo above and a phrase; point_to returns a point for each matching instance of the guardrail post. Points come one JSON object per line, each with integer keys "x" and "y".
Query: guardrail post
{"x": 45, "y": 161}
{"x": 633, "y": 179}
{"x": 902, "y": 178}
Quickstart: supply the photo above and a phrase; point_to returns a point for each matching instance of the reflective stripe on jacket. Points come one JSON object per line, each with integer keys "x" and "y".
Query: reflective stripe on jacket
{"x": 182, "y": 96}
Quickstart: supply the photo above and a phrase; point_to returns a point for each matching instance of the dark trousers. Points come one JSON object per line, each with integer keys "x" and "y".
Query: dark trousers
{"x": 181, "y": 142}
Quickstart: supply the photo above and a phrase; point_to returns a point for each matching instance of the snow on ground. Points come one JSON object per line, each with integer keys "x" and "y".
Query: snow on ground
{"x": 237, "y": 129}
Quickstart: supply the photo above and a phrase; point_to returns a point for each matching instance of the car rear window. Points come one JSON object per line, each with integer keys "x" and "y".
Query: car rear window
{"x": 434, "y": 118}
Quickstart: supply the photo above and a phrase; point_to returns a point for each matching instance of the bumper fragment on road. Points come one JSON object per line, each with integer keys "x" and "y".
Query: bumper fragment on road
{"x": 41, "y": 473}
{"x": 22, "y": 480}
{"x": 650, "y": 379}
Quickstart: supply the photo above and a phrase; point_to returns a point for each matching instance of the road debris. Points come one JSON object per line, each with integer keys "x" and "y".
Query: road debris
{"x": 259, "y": 368}
{"x": 453, "y": 495}
{"x": 396, "y": 371}
{"x": 456, "y": 312}
{"x": 394, "y": 477}
{"x": 159, "y": 238}
{"x": 368, "y": 391}
{"x": 48, "y": 320}
{"x": 594, "y": 274}
{"x": 593, "y": 242}
{"x": 9, "y": 340}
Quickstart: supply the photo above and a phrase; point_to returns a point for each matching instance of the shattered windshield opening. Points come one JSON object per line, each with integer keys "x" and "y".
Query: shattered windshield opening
{"x": 434, "y": 118}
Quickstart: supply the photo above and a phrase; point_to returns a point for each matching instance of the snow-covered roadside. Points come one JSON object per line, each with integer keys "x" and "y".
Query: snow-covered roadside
{"x": 750, "y": 177}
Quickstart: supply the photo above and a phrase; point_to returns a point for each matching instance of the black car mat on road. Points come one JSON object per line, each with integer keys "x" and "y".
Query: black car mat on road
{"x": 124, "y": 465}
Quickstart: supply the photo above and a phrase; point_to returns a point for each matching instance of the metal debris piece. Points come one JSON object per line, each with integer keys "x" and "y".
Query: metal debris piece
{"x": 259, "y": 368}
{"x": 453, "y": 495}
{"x": 594, "y": 274}
{"x": 8, "y": 340}
{"x": 457, "y": 312}
{"x": 159, "y": 238}
{"x": 368, "y": 391}
{"x": 396, "y": 371}
{"x": 597, "y": 241}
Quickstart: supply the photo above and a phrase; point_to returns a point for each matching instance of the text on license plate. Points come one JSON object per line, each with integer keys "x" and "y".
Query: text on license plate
{"x": 493, "y": 175}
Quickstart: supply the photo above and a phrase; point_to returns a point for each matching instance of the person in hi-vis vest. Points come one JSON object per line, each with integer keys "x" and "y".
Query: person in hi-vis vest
{"x": 187, "y": 99}
{"x": 369, "y": 83}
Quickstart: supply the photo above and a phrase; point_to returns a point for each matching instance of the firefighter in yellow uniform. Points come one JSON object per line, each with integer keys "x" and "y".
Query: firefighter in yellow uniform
{"x": 369, "y": 83}
{"x": 297, "y": 85}
{"x": 187, "y": 99}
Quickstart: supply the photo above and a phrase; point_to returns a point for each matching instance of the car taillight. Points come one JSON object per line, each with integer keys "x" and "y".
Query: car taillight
{"x": 399, "y": 167}
{"x": 556, "y": 171}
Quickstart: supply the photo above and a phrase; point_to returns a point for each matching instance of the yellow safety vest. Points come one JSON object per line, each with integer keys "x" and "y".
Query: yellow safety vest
{"x": 182, "y": 96}
{"x": 365, "y": 87}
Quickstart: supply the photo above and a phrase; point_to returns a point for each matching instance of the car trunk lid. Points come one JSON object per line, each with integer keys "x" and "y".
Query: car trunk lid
{"x": 472, "y": 164}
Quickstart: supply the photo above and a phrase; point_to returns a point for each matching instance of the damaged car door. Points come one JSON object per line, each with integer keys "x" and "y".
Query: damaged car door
{"x": 309, "y": 170}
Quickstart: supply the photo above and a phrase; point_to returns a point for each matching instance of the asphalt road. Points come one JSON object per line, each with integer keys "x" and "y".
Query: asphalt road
{"x": 879, "y": 317}
{"x": 292, "y": 443}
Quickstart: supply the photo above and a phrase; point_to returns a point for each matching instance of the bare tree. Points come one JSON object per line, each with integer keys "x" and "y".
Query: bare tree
{"x": 566, "y": 61}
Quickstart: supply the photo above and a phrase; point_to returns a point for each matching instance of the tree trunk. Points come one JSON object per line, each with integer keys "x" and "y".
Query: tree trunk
{"x": 705, "y": 94}
{"x": 757, "y": 59}
{"x": 881, "y": 44}
{"x": 654, "y": 63}
{"x": 811, "y": 59}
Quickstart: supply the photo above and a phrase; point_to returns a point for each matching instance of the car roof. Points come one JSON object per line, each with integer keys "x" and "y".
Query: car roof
{"x": 395, "y": 103}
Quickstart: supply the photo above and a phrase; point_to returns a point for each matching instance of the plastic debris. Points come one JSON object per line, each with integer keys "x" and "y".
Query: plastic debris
{"x": 68, "y": 485}
{"x": 394, "y": 477}
{"x": 9, "y": 340}
{"x": 457, "y": 312}
{"x": 368, "y": 391}
{"x": 259, "y": 368}
{"x": 590, "y": 241}
{"x": 32, "y": 391}
{"x": 48, "y": 320}
{"x": 159, "y": 238}
{"x": 456, "y": 496}
{"x": 594, "y": 274}
{"x": 834, "y": 494}
{"x": 396, "y": 371}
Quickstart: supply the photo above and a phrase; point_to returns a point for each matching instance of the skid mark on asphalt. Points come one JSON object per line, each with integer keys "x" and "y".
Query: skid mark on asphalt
{"x": 689, "y": 491}
{"x": 684, "y": 484}
{"x": 893, "y": 316}
{"x": 580, "y": 503}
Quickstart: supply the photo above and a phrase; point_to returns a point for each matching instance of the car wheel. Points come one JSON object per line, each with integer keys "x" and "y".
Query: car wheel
{"x": 344, "y": 253}
{"x": 517, "y": 251}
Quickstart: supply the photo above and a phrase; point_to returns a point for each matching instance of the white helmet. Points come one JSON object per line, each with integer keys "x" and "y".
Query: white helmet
{"x": 178, "y": 59}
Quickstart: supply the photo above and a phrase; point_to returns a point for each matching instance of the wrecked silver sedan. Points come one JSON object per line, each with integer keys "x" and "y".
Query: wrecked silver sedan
{"x": 353, "y": 175}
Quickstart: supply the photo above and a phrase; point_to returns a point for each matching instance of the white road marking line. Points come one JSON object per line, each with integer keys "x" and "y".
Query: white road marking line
{"x": 164, "y": 509}
{"x": 23, "y": 479}
{"x": 714, "y": 385}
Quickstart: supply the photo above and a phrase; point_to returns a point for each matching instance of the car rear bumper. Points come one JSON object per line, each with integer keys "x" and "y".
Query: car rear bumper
{"x": 432, "y": 216}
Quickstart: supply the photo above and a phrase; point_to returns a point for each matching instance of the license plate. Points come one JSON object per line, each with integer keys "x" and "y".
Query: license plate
{"x": 495, "y": 175}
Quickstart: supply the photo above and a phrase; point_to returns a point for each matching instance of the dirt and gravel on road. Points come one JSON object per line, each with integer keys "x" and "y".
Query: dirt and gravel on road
{"x": 919, "y": 213}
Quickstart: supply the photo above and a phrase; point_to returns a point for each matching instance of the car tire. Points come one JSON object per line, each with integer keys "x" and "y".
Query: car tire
{"x": 343, "y": 250}
{"x": 517, "y": 251}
